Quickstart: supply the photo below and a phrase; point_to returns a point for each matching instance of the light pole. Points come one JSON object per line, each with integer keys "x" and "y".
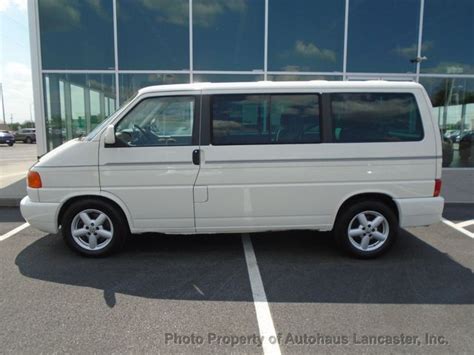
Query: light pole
{"x": 3, "y": 105}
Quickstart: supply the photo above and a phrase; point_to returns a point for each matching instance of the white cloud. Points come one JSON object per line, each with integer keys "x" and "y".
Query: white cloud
{"x": 311, "y": 50}
{"x": 205, "y": 12}
{"x": 17, "y": 91}
{"x": 7, "y": 4}
{"x": 411, "y": 51}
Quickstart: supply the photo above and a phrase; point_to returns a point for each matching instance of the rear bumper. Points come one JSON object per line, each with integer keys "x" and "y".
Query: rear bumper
{"x": 5, "y": 140}
{"x": 40, "y": 215}
{"x": 420, "y": 211}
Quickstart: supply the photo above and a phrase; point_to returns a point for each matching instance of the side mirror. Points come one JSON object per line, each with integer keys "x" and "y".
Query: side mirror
{"x": 109, "y": 135}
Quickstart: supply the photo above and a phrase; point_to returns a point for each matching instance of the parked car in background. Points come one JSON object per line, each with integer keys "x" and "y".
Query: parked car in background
{"x": 451, "y": 135}
{"x": 7, "y": 138}
{"x": 466, "y": 146}
{"x": 448, "y": 151}
{"x": 26, "y": 135}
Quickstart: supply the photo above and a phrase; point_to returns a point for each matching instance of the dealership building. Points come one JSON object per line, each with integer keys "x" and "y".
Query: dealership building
{"x": 90, "y": 56}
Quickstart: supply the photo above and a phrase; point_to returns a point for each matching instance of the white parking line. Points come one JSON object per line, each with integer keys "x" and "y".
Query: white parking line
{"x": 456, "y": 226}
{"x": 465, "y": 223}
{"x": 14, "y": 231}
{"x": 264, "y": 318}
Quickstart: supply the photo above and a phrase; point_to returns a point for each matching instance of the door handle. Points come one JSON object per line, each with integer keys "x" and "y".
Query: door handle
{"x": 196, "y": 157}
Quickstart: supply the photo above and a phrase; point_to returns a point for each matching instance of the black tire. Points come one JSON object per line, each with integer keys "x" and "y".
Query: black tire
{"x": 10, "y": 144}
{"x": 348, "y": 218}
{"x": 116, "y": 219}
{"x": 28, "y": 140}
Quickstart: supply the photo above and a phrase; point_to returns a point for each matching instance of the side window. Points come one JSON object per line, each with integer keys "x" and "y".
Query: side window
{"x": 375, "y": 117}
{"x": 265, "y": 119}
{"x": 158, "y": 121}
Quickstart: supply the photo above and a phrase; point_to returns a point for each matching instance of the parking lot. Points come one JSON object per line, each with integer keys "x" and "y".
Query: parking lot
{"x": 188, "y": 294}
{"x": 14, "y": 163}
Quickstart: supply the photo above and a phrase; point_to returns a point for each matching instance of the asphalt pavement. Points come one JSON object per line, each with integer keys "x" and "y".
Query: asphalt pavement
{"x": 197, "y": 294}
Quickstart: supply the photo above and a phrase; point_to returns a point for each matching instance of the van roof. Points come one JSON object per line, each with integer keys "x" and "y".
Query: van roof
{"x": 262, "y": 85}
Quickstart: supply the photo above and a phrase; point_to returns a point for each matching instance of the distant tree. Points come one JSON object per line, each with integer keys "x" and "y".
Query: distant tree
{"x": 28, "y": 124}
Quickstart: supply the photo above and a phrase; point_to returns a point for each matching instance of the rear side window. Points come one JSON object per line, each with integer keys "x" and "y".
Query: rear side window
{"x": 265, "y": 119}
{"x": 375, "y": 117}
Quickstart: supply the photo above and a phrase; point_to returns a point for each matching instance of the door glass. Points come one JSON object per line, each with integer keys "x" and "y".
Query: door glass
{"x": 158, "y": 121}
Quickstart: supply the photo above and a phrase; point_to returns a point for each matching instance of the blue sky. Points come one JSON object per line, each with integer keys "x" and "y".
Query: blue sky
{"x": 15, "y": 68}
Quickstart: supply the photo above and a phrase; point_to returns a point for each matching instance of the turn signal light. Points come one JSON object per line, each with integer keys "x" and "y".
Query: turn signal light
{"x": 437, "y": 188}
{"x": 34, "y": 180}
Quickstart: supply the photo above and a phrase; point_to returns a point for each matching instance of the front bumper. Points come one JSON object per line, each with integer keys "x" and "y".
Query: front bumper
{"x": 6, "y": 140}
{"x": 420, "y": 211}
{"x": 40, "y": 215}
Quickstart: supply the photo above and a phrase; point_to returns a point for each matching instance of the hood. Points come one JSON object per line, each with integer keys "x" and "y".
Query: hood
{"x": 70, "y": 154}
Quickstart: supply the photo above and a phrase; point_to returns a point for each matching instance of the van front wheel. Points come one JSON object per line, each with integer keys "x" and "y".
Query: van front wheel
{"x": 93, "y": 228}
{"x": 366, "y": 229}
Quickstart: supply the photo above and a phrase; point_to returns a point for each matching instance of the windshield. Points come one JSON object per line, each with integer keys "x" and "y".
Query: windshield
{"x": 105, "y": 122}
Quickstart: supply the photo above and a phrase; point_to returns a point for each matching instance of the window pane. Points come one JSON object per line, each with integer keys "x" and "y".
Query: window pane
{"x": 375, "y": 117}
{"x": 295, "y": 119}
{"x": 265, "y": 119}
{"x": 225, "y": 78}
{"x": 305, "y": 35}
{"x": 153, "y": 34}
{"x": 158, "y": 121}
{"x": 76, "y": 34}
{"x": 383, "y": 35}
{"x": 448, "y": 31}
{"x": 75, "y": 104}
{"x": 453, "y": 107}
{"x": 131, "y": 83}
{"x": 228, "y": 35}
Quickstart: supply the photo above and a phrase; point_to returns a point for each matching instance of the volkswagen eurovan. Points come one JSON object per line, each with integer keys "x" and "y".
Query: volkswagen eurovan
{"x": 361, "y": 159}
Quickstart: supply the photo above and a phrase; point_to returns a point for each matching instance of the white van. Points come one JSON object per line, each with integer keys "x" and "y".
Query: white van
{"x": 359, "y": 158}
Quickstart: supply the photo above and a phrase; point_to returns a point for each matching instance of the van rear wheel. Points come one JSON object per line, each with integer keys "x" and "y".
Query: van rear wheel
{"x": 366, "y": 229}
{"x": 93, "y": 228}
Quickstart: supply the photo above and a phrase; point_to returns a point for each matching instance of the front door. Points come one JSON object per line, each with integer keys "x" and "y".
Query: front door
{"x": 150, "y": 168}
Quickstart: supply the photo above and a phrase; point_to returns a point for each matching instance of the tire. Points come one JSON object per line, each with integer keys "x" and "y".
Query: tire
{"x": 368, "y": 243}
{"x": 28, "y": 140}
{"x": 109, "y": 233}
{"x": 10, "y": 144}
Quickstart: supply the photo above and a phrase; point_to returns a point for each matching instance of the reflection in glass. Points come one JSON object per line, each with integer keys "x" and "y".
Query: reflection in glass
{"x": 131, "y": 83}
{"x": 228, "y": 35}
{"x": 76, "y": 34}
{"x": 153, "y": 34}
{"x": 453, "y": 107}
{"x": 375, "y": 117}
{"x": 448, "y": 37}
{"x": 75, "y": 104}
{"x": 264, "y": 119}
{"x": 225, "y": 78}
{"x": 383, "y": 35}
{"x": 305, "y": 35}
{"x": 78, "y": 109}
{"x": 294, "y": 77}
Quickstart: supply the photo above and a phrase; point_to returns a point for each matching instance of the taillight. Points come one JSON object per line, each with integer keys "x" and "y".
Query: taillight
{"x": 437, "y": 188}
{"x": 34, "y": 180}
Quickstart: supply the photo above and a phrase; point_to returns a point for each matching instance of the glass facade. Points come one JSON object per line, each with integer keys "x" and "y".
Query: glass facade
{"x": 75, "y": 104}
{"x": 96, "y": 54}
{"x": 382, "y": 35}
{"x": 153, "y": 34}
{"x": 306, "y": 35}
{"x": 228, "y": 35}
{"x": 76, "y": 34}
